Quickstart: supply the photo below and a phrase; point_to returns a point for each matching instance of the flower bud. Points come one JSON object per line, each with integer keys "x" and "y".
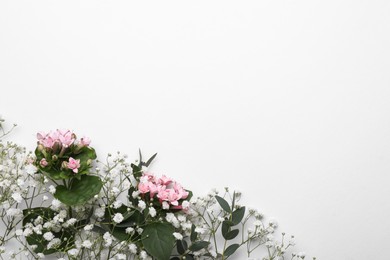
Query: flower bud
{"x": 89, "y": 162}
{"x": 54, "y": 158}
{"x": 64, "y": 165}
{"x": 41, "y": 148}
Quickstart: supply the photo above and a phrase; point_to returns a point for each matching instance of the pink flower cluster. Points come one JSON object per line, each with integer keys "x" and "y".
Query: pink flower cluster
{"x": 62, "y": 137}
{"x": 165, "y": 189}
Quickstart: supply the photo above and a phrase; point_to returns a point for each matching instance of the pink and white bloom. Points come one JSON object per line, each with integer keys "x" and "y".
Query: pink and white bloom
{"x": 85, "y": 141}
{"x": 43, "y": 162}
{"x": 74, "y": 164}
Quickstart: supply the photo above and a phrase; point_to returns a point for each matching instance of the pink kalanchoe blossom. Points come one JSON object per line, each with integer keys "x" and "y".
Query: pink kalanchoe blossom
{"x": 43, "y": 162}
{"x": 74, "y": 164}
{"x": 164, "y": 180}
{"x": 85, "y": 141}
{"x": 66, "y": 137}
{"x": 167, "y": 191}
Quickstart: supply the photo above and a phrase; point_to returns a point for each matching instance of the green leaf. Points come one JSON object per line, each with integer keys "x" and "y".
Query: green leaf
{"x": 150, "y": 160}
{"x": 199, "y": 245}
{"x": 136, "y": 218}
{"x": 193, "y": 233}
{"x": 181, "y": 246}
{"x": 81, "y": 191}
{"x": 225, "y": 227}
{"x": 85, "y": 154}
{"x": 238, "y": 215}
{"x": 231, "y": 234}
{"x": 230, "y": 250}
{"x": 158, "y": 240}
{"x": 223, "y": 203}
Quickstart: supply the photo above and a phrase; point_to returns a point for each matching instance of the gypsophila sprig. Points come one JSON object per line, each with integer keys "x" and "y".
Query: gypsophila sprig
{"x": 61, "y": 201}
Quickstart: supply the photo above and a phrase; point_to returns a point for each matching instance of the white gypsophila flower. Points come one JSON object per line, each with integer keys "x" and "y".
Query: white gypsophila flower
{"x": 87, "y": 244}
{"x": 143, "y": 255}
{"x": 99, "y": 212}
{"x": 27, "y": 232}
{"x": 181, "y": 218}
{"x": 45, "y": 198}
{"x": 142, "y": 205}
{"x": 14, "y": 212}
{"x": 71, "y": 221}
{"x": 30, "y": 169}
{"x": 52, "y": 189}
{"x": 165, "y": 205}
{"x": 54, "y": 243}
{"x": 73, "y": 252}
{"x": 118, "y": 218}
{"x": 19, "y": 232}
{"x": 133, "y": 248}
{"x": 88, "y": 227}
{"x": 178, "y": 236}
{"x": 129, "y": 230}
{"x": 48, "y": 236}
{"x": 257, "y": 223}
{"x": 55, "y": 204}
{"x": 301, "y": 254}
{"x": 273, "y": 223}
{"x": 40, "y": 255}
{"x": 200, "y": 230}
{"x": 121, "y": 257}
{"x": 135, "y": 194}
{"x": 186, "y": 205}
{"x": 117, "y": 204}
{"x": 107, "y": 239}
{"x": 152, "y": 212}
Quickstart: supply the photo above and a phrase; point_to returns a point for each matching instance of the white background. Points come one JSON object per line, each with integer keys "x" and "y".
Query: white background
{"x": 287, "y": 101}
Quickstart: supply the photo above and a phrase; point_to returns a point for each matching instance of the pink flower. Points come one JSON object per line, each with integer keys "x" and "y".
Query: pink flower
{"x": 66, "y": 137}
{"x": 85, "y": 141}
{"x": 164, "y": 180}
{"x": 43, "y": 162}
{"x": 143, "y": 187}
{"x": 74, "y": 164}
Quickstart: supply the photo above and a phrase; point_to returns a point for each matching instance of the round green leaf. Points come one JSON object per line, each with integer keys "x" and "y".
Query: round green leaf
{"x": 81, "y": 191}
{"x": 158, "y": 240}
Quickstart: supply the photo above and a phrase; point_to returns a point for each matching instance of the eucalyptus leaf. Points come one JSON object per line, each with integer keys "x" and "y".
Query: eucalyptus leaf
{"x": 198, "y": 245}
{"x": 230, "y": 250}
{"x": 223, "y": 203}
{"x": 238, "y": 215}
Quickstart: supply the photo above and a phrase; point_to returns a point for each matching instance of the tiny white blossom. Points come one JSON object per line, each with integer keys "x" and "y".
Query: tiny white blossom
{"x": 117, "y": 204}
{"x": 48, "y": 236}
{"x": 88, "y": 227}
{"x": 87, "y": 244}
{"x": 178, "y": 236}
{"x": 152, "y": 212}
{"x": 118, "y": 218}
{"x": 73, "y": 252}
{"x": 99, "y": 212}
{"x": 17, "y": 197}
{"x": 52, "y": 189}
{"x": 133, "y": 248}
{"x": 141, "y": 205}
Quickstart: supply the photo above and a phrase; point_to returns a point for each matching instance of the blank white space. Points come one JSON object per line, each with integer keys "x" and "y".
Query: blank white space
{"x": 287, "y": 101}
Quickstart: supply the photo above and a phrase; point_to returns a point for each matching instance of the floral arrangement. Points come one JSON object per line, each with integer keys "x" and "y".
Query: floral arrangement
{"x": 62, "y": 201}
